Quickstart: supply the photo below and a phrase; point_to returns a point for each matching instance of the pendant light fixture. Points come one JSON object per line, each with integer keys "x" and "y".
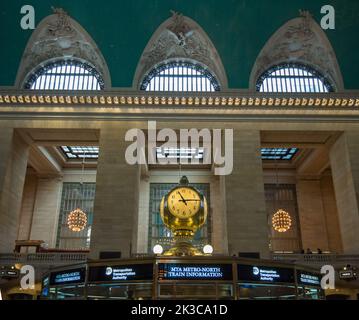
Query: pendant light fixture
{"x": 281, "y": 219}
{"x": 77, "y": 219}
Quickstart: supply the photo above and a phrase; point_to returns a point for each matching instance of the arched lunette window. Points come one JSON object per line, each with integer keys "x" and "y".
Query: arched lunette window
{"x": 295, "y": 78}
{"x": 180, "y": 76}
{"x": 65, "y": 75}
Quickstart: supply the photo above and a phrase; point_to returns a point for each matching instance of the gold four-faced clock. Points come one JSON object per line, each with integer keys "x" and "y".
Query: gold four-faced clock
{"x": 183, "y": 209}
{"x": 184, "y": 202}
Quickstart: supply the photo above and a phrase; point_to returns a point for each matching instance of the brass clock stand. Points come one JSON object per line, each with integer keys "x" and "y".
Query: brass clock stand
{"x": 183, "y": 247}
{"x": 184, "y": 211}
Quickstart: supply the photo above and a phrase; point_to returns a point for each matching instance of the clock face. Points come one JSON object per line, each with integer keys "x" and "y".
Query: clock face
{"x": 184, "y": 202}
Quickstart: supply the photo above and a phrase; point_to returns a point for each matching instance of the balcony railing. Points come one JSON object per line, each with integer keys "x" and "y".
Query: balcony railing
{"x": 42, "y": 258}
{"x": 60, "y": 258}
{"x": 317, "y": 259}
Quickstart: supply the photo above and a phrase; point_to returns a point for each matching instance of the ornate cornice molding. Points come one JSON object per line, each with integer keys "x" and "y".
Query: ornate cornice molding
{"x": 11, "y": 97}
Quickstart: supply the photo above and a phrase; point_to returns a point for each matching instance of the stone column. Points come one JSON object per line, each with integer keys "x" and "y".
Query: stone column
{"x": 344, "y": 160}
{"x": 116, "y": 199}
{"x": 27, "y": 206}
{"x": 219, "y": 219}
{"x": 13, "y": 162}
{"x": 46, "y": 210}
{"x": 141, "y": 240}
{"x": 331, "y": 214}
{"x": 245, "y": 201}
{"x": 311, "y": 215}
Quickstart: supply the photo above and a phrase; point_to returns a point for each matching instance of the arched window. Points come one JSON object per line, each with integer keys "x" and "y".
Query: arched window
{"x": 65, "y": 75}
{"x": 291, "y": 77}
{"x": 180, "y": 76}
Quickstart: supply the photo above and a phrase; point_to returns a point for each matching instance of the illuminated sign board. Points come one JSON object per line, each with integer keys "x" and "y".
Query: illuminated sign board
{"x": 347, "y": 274}
{"x": 67, "y": 276}
{"x": 9, "y": 273}
{"x": 121, "y": 273}
{"x": 45, "y": 286}
{"x": 176, "y": 271}
{"x": 264, "y": 273}
{"x": 308, "y": 278}
{"x": 45, "y": 281}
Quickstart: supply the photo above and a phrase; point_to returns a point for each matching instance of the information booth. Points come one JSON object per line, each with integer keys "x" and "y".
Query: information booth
{"x": 120, "y": 280}
{"x": 220, "y": 278}
{"x": 195, "y": 280}
{"x": 258, "y": 281}
{"x": 67, "y": 283}
{"x": 308, "y": 284}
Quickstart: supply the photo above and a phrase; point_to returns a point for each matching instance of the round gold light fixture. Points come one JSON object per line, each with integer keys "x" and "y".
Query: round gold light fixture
{"x": 281, "y": 221}
{"x": 77, "y": 220}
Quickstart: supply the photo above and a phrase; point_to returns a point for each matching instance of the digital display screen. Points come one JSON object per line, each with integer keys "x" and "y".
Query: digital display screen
{"x": 308, "y": 278}
{"x": 265, "y": 274}
{"x": 176, "y": 271}
{"x": 121, "y": 273}
{"x": 68, "y": 276}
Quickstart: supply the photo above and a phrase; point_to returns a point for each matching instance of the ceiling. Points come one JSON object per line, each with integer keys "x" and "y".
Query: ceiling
{"x": 312, "y": 159}
{"x": 238, "y": 29}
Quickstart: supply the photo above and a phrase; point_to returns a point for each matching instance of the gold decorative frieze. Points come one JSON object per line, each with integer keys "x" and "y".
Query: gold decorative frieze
{"x": 256, "y": 100}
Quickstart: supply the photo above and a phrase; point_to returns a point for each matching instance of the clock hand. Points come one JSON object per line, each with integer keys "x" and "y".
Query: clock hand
{"x": 182, "y": 198}
{"x": 190, "y": 200}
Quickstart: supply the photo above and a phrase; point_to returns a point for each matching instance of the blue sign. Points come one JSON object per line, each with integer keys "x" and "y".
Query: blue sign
{"x": 45, "y": 286}
{"x": 258, "y": 273}
{"x": 179, "y": 271}
{"x": 67, "y": 276}
{"x": 45, "y": 292}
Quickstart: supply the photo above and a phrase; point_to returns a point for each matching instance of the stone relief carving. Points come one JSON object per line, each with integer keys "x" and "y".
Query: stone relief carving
{"x": 178, "y": 24}
{"x": 58, "y": 35}
{"x": 180, "y": 37}
{"x": 299, "y": 40}
{"x": 62, "y": 26}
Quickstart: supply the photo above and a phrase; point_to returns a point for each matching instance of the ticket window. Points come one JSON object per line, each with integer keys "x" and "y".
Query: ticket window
{"x": 70, "y": 292}
{"x": 183, "y": 290}
{"x": 251, "y": 291}
{"x": 137, "y": 291}
{"x": 310, "y": 293}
